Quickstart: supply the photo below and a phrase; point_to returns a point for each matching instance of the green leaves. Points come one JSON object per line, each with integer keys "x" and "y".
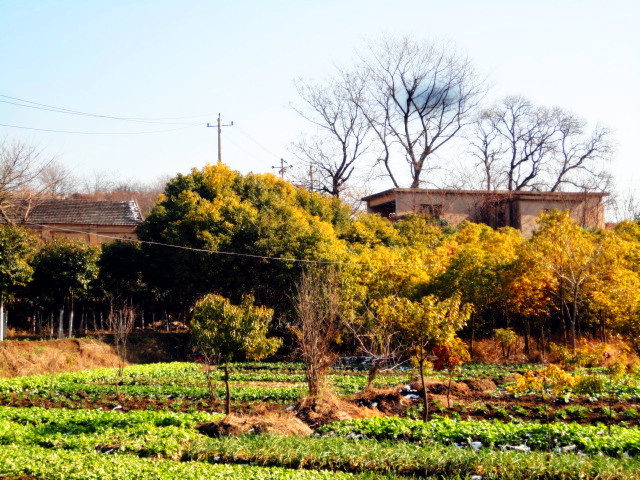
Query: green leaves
{"x": 221, "y": 328}
{"x": 17, "y": 247}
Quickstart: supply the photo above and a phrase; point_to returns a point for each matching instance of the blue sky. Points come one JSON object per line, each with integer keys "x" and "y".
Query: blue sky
{"x": 192, "y": 59}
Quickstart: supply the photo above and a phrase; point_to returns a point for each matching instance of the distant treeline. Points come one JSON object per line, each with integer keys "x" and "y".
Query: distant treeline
{"x": 255, "y": 234}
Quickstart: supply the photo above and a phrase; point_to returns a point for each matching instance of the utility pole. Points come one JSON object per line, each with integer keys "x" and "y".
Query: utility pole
{"x": 220, "y": 125}
{"x": 282, "y": 168}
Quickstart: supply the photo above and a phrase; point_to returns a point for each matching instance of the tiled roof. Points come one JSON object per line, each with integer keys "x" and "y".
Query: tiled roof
{"x": 83, "y": 212}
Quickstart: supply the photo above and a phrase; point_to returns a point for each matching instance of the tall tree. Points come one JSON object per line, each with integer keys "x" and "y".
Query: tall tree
{"x": 253, "y": 219}
{"x": 342, "y": 137}
{"x": 418, "y": 97}
{"x": 522, "y": 146}
{"x": 64, "y": 271}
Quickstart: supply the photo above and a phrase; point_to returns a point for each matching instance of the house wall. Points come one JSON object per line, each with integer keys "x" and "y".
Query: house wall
{"x": 517, "y": 209}
{"x": 587, "y": 212}
{"x": 93, "y": 234}
{"x": 455, "y": 208}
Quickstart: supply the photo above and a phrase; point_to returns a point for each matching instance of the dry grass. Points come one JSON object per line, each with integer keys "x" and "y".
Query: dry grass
{"x": 19, "y": 358}
{"x": 282, "y": 423}
{"x": 327, "y": 408}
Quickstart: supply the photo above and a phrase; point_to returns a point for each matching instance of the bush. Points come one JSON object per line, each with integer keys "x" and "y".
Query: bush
{"x": 589, "y": 385}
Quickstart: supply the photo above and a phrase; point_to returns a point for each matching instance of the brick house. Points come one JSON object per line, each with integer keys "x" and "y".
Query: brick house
{"x": 517, "y": 209}
{"x": 94, "y": 222}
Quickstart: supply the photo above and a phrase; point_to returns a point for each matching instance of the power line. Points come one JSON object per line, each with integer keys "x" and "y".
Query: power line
{"x": 44, "y": 106}
{"x": 95, "y": 133}
{"x": 257, "y": 143}
{"x": 234, "y": 254}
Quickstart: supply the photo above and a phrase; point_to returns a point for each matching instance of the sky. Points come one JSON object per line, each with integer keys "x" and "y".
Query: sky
{"x": 180, "y": 63}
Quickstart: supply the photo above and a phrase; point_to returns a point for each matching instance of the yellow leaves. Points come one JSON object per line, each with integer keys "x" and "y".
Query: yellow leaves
{"x": 552, "y": 378}
{"x": 424, "y": 323}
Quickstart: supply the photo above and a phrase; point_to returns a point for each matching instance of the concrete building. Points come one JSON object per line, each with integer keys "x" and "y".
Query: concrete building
{"x": 517, "y": 209}
{"x": 93, "y": 222}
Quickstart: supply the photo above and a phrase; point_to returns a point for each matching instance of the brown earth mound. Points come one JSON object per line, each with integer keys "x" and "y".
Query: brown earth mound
{"x": 18, "y": 358}
{"x": 480, "y": 384}
{"x": 389, "y": 402}
{"x": 317, "y": 411}
{"x": 280, "y": 423}
{"x": 438, "y": 387}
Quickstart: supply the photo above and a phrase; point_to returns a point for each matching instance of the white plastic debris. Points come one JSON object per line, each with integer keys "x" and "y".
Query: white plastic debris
{"x": 412, "y": 396}
{"x": 476, "y": 445}
{"x": 290, "y": 408}
{"x": 518, "y": 448}
{"x": 117, "y": 407}
{"x": 374, "y": 404}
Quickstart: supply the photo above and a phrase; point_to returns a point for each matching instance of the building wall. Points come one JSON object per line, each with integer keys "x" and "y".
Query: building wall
{"x": 518, "y": 210}
{"x": 93, "y": 234}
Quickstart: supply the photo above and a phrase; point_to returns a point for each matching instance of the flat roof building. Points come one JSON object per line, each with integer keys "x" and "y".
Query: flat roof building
{"x": 500, "y": 208}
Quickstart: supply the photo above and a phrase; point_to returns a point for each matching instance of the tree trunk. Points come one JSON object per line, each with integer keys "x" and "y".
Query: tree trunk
{"x": 373, "y": 372}
{"x": 1, "y": 316}
{"x": 60, "y": 325}
{"x": 71, "y": 319}
{"x": 425, "y": 398}
{"x": 574, "y": 321}
{"x": 527, "y": 332}
{"x": 227, "y": 401}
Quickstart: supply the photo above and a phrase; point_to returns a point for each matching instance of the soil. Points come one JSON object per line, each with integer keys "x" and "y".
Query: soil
{"x": 318, "y": 411}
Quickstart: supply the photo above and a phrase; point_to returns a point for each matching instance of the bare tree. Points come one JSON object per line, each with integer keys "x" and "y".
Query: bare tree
{"x": 20, "y": 166}
{"x": 580, "y": 157}
{"x": 343, "y": 130}
{"x": 121, "y": 321}
{"x": 418, "y": 97}
{"x": 379, "y": 340}
{"x": 318, "y": 310}
{"x": 55, "y": 180}
{"x": 521, "y": 146}
{"x": 486, "y": 146}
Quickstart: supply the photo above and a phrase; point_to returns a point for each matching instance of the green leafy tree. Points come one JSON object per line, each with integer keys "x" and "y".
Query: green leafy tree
{"x": 63, "y": 271}
{"x": 17, "y": 247}
{"x": 120, "y": 270}
{"x": 217, "y": 208}
{"x": 425, "y": 324}
{"x": 224, "y": 330}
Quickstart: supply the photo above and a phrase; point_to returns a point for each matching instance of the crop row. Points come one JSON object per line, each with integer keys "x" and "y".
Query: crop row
{"x": 616, "y": 441}
{"x": 43, "y": 463}
{"x": 396, "y": 458}
{"x": 92, "y": 444}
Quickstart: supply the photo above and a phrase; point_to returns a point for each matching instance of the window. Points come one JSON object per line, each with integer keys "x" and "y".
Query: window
{"x": 431, "y": 210}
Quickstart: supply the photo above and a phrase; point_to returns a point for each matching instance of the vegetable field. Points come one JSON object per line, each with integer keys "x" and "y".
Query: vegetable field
{"x": 148, "y": 422}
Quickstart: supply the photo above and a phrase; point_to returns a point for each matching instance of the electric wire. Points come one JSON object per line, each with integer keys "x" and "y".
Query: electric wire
{"x": 95, "y": 133}
{"x": 234, "y": 254}
{"x": 256, "y": 142}
{"x": 44, "y": 106}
